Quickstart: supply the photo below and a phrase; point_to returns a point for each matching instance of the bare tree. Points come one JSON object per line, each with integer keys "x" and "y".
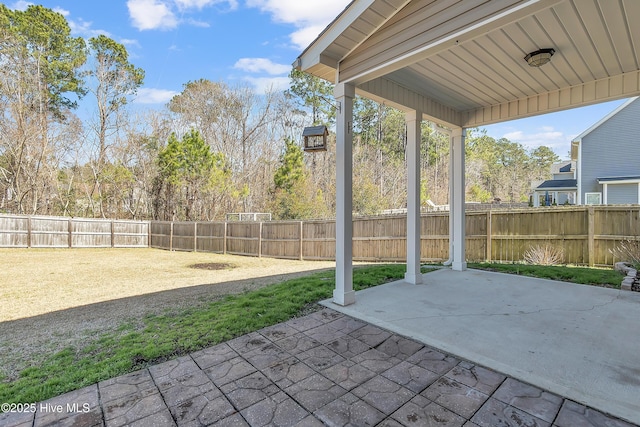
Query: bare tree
{"x": 113, "y": 79}
{"x": 39, "y": 70}
{"x": 236, "y": 122}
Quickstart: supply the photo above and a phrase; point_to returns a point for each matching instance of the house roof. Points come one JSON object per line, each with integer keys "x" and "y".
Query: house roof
{"x": 561, "y": 167}
{"x": 462, "y": 63}
{"x": 566, "y": 168}
{"x": 558, "y": 184}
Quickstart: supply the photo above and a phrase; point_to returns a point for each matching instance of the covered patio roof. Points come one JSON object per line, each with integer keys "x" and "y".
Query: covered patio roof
{"x": 462, "y": 63}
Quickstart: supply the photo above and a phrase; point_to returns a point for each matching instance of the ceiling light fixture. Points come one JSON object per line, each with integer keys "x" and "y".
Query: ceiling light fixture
{"x": 539, "y": 57}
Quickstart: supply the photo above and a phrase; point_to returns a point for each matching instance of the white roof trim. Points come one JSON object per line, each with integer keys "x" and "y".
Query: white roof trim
{"x": 344, "y": 20}
{"x": 578, "y": 138}
{"x": 620, "y": 181}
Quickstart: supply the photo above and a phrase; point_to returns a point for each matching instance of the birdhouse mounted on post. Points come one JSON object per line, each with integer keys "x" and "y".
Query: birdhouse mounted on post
{"x": 315, "y": 138}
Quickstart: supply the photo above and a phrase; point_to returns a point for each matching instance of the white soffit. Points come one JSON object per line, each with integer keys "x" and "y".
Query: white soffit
{"x": 463, "y": 62}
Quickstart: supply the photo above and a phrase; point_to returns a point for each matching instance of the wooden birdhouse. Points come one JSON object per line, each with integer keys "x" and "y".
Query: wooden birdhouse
{"x": 315, "y": 138}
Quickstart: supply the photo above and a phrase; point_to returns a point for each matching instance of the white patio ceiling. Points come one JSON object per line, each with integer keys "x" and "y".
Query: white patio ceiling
{"x": 462, "y": 62}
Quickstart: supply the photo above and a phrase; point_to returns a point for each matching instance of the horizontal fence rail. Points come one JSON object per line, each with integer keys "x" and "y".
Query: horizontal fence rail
{"x": 20, "y": 231}
{"x": 587, "y": 235}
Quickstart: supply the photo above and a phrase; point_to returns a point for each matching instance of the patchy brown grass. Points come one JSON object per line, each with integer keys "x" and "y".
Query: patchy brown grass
{"x": 40, "y": 281}
{"x": 51, "y": 299}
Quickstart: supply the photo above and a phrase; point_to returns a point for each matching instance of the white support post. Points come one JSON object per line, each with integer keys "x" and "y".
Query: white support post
{"x": 414, "y": 121}
{"x": 457, "y": 198}
{"x": 343, "y": 294}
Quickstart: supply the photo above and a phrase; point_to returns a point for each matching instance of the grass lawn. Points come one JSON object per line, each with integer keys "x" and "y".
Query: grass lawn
{"x": 181, "y": 330}
{"x": 35, "y": 282}
{"x": 166, "y": 336}
{"x": 606, "y": 277}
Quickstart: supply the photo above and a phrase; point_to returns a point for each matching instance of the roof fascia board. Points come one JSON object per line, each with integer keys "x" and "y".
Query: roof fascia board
{"x": 463, "y": 35}
{"x": 384, "y": 21}
{"x": 314, "y": 52}
{"x": 618, "y": 181}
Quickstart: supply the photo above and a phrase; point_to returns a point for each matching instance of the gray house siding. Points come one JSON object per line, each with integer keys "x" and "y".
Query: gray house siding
{"x": 611, "y": 149}
{"x": 619, "y": 194}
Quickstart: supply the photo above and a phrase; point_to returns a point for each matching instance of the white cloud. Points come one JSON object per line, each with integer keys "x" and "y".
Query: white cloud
{"x": 266, "y": 84}
{"x": 130, "y": 42}
{"x": 259, "y": 65}
{"x": 162, "y": 14}
{"x": 84, "y": 29}
{"x": 196, "y": 23}
{"x": 292, "y": 11}
{"x": 515, "y": 136}
{"x": 151, "y": 15}
{"x": 21, "y": 5}
{"x": 304, "y": 36}
{"x": 545, "y": 135}
{"x": 199, "y": 4}
{"x": 154, "y": 96}
{"x": 61, "y": 11}
{"x": 310, "y": 18}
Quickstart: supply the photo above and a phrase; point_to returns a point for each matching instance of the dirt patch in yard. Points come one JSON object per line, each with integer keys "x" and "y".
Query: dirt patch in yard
{"x": 52, "y": 299}
{"x": 213, "y": 266}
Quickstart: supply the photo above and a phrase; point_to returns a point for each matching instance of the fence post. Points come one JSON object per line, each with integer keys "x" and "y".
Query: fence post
{"x": 591, "y": 235}
{"x": 488, "y": 257}
{"x": 113, "y": 243}
{"x": 301, "y": 240}
{"x": 260, "y": 240}
{"x": 195, "y": 236}
{"x": 70, "y": 228}
{"x": 29, "y": 231}
{"x": 171, "y": 237}
{"x": 224, "y": 240}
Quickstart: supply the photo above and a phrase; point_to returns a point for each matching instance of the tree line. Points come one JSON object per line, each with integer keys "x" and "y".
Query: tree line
{"x": 213, "y": 149}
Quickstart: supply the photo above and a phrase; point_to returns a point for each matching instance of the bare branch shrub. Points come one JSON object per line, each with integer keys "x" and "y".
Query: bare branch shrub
{"x": 628, "y": 251}
{"x": 547, "y": 254}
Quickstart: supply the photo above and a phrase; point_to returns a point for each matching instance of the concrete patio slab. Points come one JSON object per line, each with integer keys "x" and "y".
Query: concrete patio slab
{"x": 324, "y": 369}
{"x": 576, "y": 341}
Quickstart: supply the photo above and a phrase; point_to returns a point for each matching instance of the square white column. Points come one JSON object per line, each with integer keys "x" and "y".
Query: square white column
{"x": 343, "y": 294}
{"x": 414, "y": 121}
{"x": 457, "y": 200}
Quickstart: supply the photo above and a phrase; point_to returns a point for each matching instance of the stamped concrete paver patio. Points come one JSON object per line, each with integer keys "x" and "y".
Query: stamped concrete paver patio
{"x": 575, "y": 341}
{"x": 322, "y": 369}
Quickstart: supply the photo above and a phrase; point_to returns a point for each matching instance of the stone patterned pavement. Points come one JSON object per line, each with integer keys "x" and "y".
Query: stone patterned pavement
{"x": 322, "y": 369}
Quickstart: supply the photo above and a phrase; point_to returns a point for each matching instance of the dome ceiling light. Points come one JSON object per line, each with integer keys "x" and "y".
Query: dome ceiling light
{"x": 539, "y": 57}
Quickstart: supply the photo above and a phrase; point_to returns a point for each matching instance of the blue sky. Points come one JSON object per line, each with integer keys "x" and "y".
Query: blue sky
{"x": 251, "y": 42}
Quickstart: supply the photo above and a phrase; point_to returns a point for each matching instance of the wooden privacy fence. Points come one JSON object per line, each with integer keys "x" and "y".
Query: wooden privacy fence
{"x": 20, "y": 231}
{"x": 586, "y": 234}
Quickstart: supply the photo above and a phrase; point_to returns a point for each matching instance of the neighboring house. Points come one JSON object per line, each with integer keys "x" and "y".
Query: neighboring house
{"x": 559, "y": 190}
{"x": 605, "y": 163}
